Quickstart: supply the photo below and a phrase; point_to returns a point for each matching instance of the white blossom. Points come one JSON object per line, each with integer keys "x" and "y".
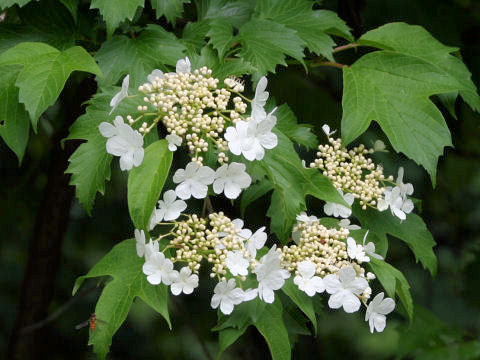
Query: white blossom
{"x": 337, "y": 210}
{"x": 306, "y": 280}
{"x": 344, "y": 288}
{"x": 183, "y": 66}
{"x": 256, "y": 241}
{"x": 379, "y": 146}
{"x": 183, "y": 281}
{"x": 356, "y": 251}
{"x": 345, "y": 223}
{"x": 122, "y": 94}
{"x": 155, "y": 74}
{"x": 123, "y": 141}
{"x": 326, "y": 130}
{"x": 227, "y": 295}
{"x": 231, "y": 179}
{"x": 140, "y": 242}
{"x": 236, "y": 263}
{"x": 369, "y": 248}
{"x": 158, "y": 269}
{"x": 399, "y": 205}
{"x": 151, "y": 248}
{"x": 308, "y": 220}
{"x": 270, "y": 275}
{"x": 260, "y": 99}
{"x": 376, "y": 311}
{"x": 405, "y": 189}
{"x": 193, "y": 181}
{"x": 169, "y": 208}
{"x": 249, "y": 294}
{"x": 237, "y": 138}
{"x": 173, "y": 141}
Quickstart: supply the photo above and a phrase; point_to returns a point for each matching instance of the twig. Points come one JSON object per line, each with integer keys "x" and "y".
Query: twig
{"x": 345, "y": 47}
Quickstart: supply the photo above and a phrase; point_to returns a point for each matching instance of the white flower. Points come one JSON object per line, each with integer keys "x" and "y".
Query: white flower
{"x": 370, "y": 248}
{"x": 260, "y": 99}
{"x": 249, "y": 294}
{"x": 173, "y": 141}
{"x": 183, "y": 281}
{"x": 153, "y": 219}
{"x": 345, "y": 223}
{"x": 379, "y": 146}
{"x": 231, "y": 179}
{"x": 169, "y": 208}
{"x": 338, "y": 210}
{"x": 344, "y": 288}
{"x": 355, "y": 251}
{"x": 158, "y": 269}
{"x": 194, "y": 181}
{"x": 237, "y": 138}
{"x": 270, "y": 275}
{"x": 183, "y": 66}
{"x": 151, "y": 248}
{"x": 123, "y": 141}
{"x": 376, "y": 311}
{"x": 405, "y": 189}
{"x": 256, "y": 241}
{"x": 326, "y": 130}
{"x": 308, "y": 220}
{"x": 236, "y": 263}
{"x": 122, "y": 94}
{"x": 140, "y": 237}
{"x": 306, "y": 280}
{"x": 399, "y": 205}
{"x": 155, "y": 74}
{"x": 227, "y": 296}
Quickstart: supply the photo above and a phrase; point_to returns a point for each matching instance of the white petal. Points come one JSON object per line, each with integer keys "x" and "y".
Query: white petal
{"x": 183, "y": 191}
{"x": 199, "y": 191}
{"x": 179, "y": 176}
{"x": 351, "y": 303}
{"x": 232, "y": 191}
{"x": 107, "y": 130}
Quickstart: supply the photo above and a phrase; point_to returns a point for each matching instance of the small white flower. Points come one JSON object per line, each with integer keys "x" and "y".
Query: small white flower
{"x": 227, "y": 295}
{"x": 183, "y": 281}
{"x": 379, "y": 146}
{"x": 237, "y": 138}
{"x": 193, "y": 181}
{"x": 123, "y": 141}
{"x": 405, "y": 189}
{"x": 169, "y": 208}
{"x": 153, "y": 219}
{"x": 236, "y": 263}
{"x": 345, "y": 223}
{"x": 308, "y": 220}
{"x": 158, "y": 269}
{"x": 326, "y": 130}
{"x": 256, "y": 241}
{"x": 337, "y": 210}
{"x": 270, "y": 275}
{"x": 376, "y": 311}
{"x": 231, "y": 179}
{"x": 399, "y": 205}
{"x": 173, "y": 141}
{"x": 183, "y": 66}
{"x": 151, "y": 248}
{"x": 249, "y": 294}
{"x": 155, "y": 74}
{"x": 344, "y": 288}
{"x": 261, "y": 136}
{"x": 260, "y": 99}
{"x": 355, "y": 251}
{"x": 371, "y": 276}
{"x": 122, "y": 94}
{"x": 306, "y": 280}
{"x": 140, "y": 245}
{"x": 369, "y": 248}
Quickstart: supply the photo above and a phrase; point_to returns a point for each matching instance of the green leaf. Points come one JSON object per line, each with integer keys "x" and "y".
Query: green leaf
{"x": 412, "y": 231}
{"x": 153, "y": 49}
{"x": 221, "y": 36}
{"x": 235, "y": 12}
{"x": 194, "y": 35}
{"x": 45, "y": 71}
{"x": 393, "y": 87}
{"x": 394, "y": 282}
{"x": 72, "y": 6}
{"x": 172, "y": 9}
{"x": 14, "y": 120}
{"x": 114, "y": 12}
{"x": 302, "y": 300}
{"x": 129, "y": 282}
{"x": 227, "y": 337}
{"x": 236, "y": 67}
{"x": 266, "y": 43}
{"x": 7, "y": 3}
{"x": 145, "y": 182}
{"x": 253, "y": 193}
{"x": 287, "y": 124}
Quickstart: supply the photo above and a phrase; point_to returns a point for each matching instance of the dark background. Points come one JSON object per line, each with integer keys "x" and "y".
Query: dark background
{"x": 36, "y": 194}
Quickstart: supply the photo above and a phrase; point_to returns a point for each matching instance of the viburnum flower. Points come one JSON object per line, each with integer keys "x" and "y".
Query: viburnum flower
{"x": 158, "y": 269}
{"x": 183, "y": 66}
{"x": 183, "y": 281}
{"x": 308, "y": 220}
{"x": 227, "y": 295}
{"x": 241, "y": 233}
{"x": 270, "y": 275}
{"x": 399, "y": 205}
{"x": 369, "y": 248}
{"x": 326, "y": 130}
{"x": 344, "y": 288}
{"x": 405, "y": 189}
{"x": 260, "y": 99}
{"x": 356, "y": 251}
{"x": 337, "y": 210}
{"x": 193, "y": 181}
{"x": 379, "y": 146}
{"x": 173, "y": 141}
{"x": 155, "y": 74}
{"x": 236, "y": 263}
{"x": 140, "y": 245}
{"x": 231, "y": 179}
{"x": 151, "y": 248}
{"x": 260, "y": 137}
{"x": 122, "y": 94}
{"x": 345, "y": 223}
{"x": 306, "y": 280}
{"x": 256, "y": 241}
{"x": 376, "y": 311}
{"x": 123, "y": 141}
{"x": 238, "y": 140}
{"x": 169, "y": 208}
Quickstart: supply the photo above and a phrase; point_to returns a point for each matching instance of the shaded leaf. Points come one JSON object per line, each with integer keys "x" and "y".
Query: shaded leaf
{"x": 171, "y": 9}
{"x": 114, "y": 12}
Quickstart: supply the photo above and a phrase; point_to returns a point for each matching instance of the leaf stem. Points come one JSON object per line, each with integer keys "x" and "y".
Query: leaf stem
{"x": 345, "y": 47}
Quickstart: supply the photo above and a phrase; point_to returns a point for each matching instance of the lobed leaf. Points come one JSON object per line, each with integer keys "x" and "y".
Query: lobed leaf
{"x": 171, "y": 9}
{"x": 114, "y": 12}
{"x": 302, "y": 300}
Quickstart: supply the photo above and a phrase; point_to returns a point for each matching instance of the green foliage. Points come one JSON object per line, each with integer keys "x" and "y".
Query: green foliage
{"x": 254, "y": 192}
{"x": 171, "y": 9}
{"x": 129, "y": 282}
{"x": 145, "y": 182}
{"x": 114, "y": 12}
{"x": 301, "y": 134}
{"x": 302, "y": 300}
{"x": 221, "y": 35}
